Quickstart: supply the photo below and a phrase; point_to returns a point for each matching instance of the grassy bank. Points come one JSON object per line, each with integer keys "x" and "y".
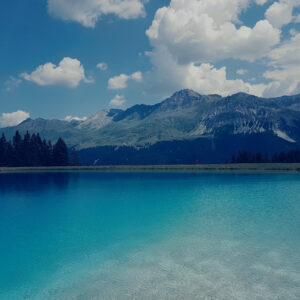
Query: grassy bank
{"x": 216, "y": 167}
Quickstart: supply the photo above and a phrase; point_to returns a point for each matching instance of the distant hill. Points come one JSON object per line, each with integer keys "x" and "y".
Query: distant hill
{"x": 183, "y": 128}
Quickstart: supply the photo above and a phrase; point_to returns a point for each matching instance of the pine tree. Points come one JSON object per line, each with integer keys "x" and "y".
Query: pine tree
{"x": 17, "y": 150}
{"x": 233, "y": 159}
{"x": 39, "y": 149}
{"x": 44, "y": 154}
{"x": 3, "y": 149}
{"x": 258, "y": 157}
{"x": 34, "y": 157}
{"x": 60, "y": 153}
{"x": 50, "y": 154}
{"x": 10, "y": 155}
{"x": 33, "y": 151}
{"x": 74, "y": 161}
{"x": 26, "y": 150}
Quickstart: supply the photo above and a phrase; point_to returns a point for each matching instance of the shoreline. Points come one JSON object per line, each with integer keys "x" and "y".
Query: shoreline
{"x": 200, "y": 167}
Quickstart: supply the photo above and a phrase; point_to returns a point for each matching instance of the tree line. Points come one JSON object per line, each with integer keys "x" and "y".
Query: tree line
{"x": 292, "y": 156}
{"x": 33, "y": 151}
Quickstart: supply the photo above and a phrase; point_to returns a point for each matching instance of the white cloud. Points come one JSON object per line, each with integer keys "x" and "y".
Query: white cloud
{"x": 206, "y": 30}
{"x": 70, "y": 118}
{"x": 88, "y": 12}
{"x": 102, "y": 66}
{"x": 13, "y": 119}
{"x": 261, "y": 2}
{"x": 288, "y": 53}
{"x": 188, "y": 36}
{"x": 137, "y": 76}
{"x": 242, "y": 72}
{"x": 12, "y": 83}
{"x": 285, "y": 75}
{"x": 291, "y": 74}
{"x": 293, "y": 32}
{"x": 120, "y": 81}
{"x": 280, "y": 13}
{"x": 168, "y": 75}
{"x": 117, "y": 101}
{"x": 284, "y": 82}
{"x": 69, "y": 72}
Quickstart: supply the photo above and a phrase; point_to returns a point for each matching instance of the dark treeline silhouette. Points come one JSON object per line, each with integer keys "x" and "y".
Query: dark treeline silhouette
{"x": 32, "y": 151}
{"x": 282, "y": 157}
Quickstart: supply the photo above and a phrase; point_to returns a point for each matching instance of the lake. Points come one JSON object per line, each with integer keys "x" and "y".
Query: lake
{"x": 149, "y": 235}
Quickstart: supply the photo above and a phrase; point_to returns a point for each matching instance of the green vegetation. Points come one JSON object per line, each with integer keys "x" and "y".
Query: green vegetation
{"x": 32, "y": 151}
{"x": 184, "y": 116}
{"x": 184, "y": 129}
{"x": 282, "y": 157}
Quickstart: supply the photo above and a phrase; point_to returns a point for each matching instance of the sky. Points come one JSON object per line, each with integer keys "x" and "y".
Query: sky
{"x": 68, "y": 59}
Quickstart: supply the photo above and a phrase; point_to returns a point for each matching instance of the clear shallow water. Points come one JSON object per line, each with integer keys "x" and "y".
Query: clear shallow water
{"x": 167, "y": 235}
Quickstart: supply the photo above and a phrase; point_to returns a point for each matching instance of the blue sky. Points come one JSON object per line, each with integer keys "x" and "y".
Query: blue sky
{"x": 50, "y": 49}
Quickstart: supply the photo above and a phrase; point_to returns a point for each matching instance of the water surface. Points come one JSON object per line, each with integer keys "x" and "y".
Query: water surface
{"x": 149, "y": 235}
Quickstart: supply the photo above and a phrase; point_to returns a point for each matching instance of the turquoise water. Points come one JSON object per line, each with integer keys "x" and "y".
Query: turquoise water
{"x": 147, "y": 235}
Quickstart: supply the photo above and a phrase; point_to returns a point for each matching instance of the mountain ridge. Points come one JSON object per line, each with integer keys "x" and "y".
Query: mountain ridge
{"x": 184, "y": 116}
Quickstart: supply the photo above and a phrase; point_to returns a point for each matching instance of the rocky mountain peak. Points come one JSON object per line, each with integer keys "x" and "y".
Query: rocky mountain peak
{"x": 186, "y": 93}
{"x": 186, "y": 115}
{"x": 181, "y": 98}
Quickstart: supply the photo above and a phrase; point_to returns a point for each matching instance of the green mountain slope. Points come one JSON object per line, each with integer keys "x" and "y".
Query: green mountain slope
{"x": 186, "y": 115}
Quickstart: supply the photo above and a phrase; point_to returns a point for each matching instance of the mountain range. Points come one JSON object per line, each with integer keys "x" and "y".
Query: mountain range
{"x": 184, "y": 128}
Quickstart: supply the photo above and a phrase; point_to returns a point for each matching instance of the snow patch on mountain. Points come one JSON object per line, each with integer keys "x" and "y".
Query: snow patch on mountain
{"x": 284, "y": 136}
{"x": 97, "y": 121}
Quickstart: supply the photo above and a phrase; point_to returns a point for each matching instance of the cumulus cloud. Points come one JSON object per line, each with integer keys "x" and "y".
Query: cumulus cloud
{"x": 69, "y": 72}
{"x": 13, "y": 119}
{"x": 117, "y": 101}
{"x": 285, "y": 74}
{"x": 288, "y": 53}
{"x": 283, "y": 82}
{"x": 88, "y": 12}
{"x": 168, "y": 75}
{"x": 281, "y": 13}
{"x": 207, "y": 31}
{"x": 261, "y": 2}
{"x": 291, "y": 73}
{"x": 71, "y": 118}
{"x": 189, "y": 37}
{"x": 120, "y": 81}
{"x": 102, "y": 66}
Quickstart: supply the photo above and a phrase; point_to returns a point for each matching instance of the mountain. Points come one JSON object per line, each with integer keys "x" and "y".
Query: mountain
{"x": 182, "y": 128}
